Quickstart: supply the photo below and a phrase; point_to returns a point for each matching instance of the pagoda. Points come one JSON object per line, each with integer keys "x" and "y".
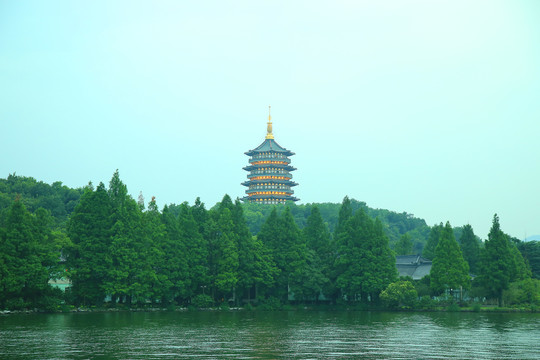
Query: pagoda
{"x": 269, "y": 178}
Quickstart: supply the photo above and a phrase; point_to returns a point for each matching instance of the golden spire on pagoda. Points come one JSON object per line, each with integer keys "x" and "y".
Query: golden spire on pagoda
{"x": 269, "y": 134}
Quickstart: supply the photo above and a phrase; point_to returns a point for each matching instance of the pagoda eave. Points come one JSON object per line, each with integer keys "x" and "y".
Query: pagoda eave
{"x": 269, "y": 197}
{"x": 266, "y": 166}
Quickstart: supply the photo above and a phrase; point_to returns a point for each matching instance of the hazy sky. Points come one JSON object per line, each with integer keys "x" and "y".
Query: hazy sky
{"x": 429, "y": 107}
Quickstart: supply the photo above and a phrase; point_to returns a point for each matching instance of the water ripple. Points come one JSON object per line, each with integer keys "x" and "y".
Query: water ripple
{"x": 278, "y": 335}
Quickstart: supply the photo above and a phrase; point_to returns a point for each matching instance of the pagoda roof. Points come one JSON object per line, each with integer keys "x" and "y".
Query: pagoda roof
{"x": 269, "y": 145}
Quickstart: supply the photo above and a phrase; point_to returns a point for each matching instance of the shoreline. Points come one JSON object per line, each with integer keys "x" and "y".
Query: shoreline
{"x": 485, "y": 309}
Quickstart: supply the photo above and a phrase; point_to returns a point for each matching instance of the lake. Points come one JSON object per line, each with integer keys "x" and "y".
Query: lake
{"x": 270, "y": 335}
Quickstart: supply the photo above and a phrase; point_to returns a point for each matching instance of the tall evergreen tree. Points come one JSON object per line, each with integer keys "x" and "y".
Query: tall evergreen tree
{"x": 226, "y": 254}
{"x": 89, "y": 259}
{"x": 470, "y": 247}
{"x": 174, "y": 264}
{"x": 429, "y": 250}
{"x": 520, "y": 268}
{"x": 269, "y": 236}
{"x": 154, "y": 256}
{"x": 131, "y": 272}
{"x": 283, "y": 238}
{"x": 255, "y": 265}
{"x": 318, "y": 237}
{"x": 291, "y": 257}
{"x": 321, "y": 255}
{"x": 338, "y": 243}
{"x": 365, "y": 264}
{"x": 345, "y": 213}
{"x": 530, "y": 251}
{"x": 404, "y": 246}
{"x": 449, "y": 270}
{"x": 351, "y": 257}
{"x": 381, "y": 261}
{"x": 496, "y": 262}
{"x": 26, "y": 255}
{"x": 196, "y": 245}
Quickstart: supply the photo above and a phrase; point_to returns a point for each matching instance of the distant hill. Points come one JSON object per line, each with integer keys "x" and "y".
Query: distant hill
{"x": 532, "y": 238}
{"x": 395, "y": 224}
{"x": 58, "y": 199}
{"x": 61, "y": 200}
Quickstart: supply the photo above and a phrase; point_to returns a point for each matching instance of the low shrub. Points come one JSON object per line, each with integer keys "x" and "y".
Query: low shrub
{"x": 269, "y": 304}
{"x": 426, "y": 303}
{"x": 202, "y": 301}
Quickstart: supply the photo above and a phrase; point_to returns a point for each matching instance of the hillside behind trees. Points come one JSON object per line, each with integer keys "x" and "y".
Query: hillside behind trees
{"x": 60, "y": 201}
{"x": 57, "y": 198}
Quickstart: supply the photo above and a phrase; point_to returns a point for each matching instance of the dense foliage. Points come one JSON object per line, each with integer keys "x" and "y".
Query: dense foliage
{"x": 116, "y": 250}
{"x": 28, "y": 258}
{"x": 450, "y": 270}
{"x": 531, "y": 253}
{"x": 129, "y": 255}
{"x": 58, "y": 199}
{"x": 501, "y": 263}
{"x": 394, "y": 224}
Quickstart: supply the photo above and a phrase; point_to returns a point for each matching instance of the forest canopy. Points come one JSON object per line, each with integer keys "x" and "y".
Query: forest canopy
{"x": 115, "y": 249}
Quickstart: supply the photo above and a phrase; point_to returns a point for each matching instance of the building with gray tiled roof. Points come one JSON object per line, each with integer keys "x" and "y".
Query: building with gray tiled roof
{"x": 414, "y": 266}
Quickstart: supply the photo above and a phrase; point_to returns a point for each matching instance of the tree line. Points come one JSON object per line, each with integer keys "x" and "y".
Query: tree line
{"x": 131, "y": 254}
{"x": 118, "y": 250}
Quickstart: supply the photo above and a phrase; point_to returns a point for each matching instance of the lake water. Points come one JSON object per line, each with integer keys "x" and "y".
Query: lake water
{"x": 270, "y": 335}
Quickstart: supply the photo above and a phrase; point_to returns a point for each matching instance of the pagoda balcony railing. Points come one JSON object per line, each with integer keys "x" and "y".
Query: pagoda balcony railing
{"x": 273, "y": 181}
{"x": 287, "y": 175}
{"x": 269, "y": 197}
{"x": 288, "y": 191}
{"x": 284, "y": 159}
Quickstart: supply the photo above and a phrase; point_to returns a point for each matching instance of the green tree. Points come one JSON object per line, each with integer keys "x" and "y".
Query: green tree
{"x": 530, "y": 251}
{"x": 345, "y": 213}
{"x": 291, "y": 258}
{"x": 404, "y": 246}
{"x": 89, "y": 259}
{"x": 351, "y": 255}
{"x": 381, "y": 263}
{"x": 520, "y": 269}
{"x": 158, "y": 270}
{"x": 321, "y": 254}
{"x": 226, "y": 253}
{"x": 255, "y": 265}
{"x": 174, "y": 266}
{"x": 470, "y": 247}
{"x": 223, "y": 250}
{"x": 26, "y": 256}
{"x": 449, "y": 270}
{"x": 338, "y": 244}
{"x": 365, "y": 264}
{"x": 131, "y": 272}
{"x": 399, "y": 294}
{"x": 429, "y": 250}
{"x": 283, "y": 238}
{"x": 496, "y": 262}
{"x": 196, "y": 245}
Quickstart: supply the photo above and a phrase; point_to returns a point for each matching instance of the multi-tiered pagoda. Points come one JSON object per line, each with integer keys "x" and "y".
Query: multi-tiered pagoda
{"x": 269, "y": 172}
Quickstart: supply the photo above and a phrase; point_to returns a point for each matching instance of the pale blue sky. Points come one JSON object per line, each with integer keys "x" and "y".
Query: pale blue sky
{"x": 429, "y": 107}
